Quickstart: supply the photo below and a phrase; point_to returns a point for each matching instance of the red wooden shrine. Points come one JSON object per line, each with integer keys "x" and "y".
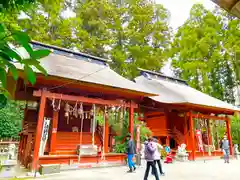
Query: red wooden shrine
{"x": 175, "y": 114}
{"x": 73, "y": 78}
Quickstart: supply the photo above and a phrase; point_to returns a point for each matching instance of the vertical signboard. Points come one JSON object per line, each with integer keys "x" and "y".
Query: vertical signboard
{"x": 44, "y": 138}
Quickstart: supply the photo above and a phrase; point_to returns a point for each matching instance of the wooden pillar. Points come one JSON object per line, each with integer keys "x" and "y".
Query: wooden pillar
{"x": 168, "y": 141}
{"x": 20, "y": 147}
{"x": 186, "y": 130}
{"x": 228, "y": 125}
{"x": 106, "y": 135}
{"x": 39, "y": 131}
{"x": 54, "y": 132}
{"x": 192, "y": 136}
{"x": 209, "y": 133}
{"x": 131, "y": 120}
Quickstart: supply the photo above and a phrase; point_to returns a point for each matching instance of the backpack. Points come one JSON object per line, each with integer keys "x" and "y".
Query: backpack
{"x": 221, "y": 144}
{"x": 150, "y": 149}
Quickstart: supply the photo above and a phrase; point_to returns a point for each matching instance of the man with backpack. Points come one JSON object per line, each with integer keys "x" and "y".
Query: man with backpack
{"x": 130, "y": 154}
{"x": 150, "y": 148}
{"x": 225, "y": 148}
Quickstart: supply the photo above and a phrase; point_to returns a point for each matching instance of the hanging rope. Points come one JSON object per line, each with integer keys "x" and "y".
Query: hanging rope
{"x": 54, "y": 105}
{"x": 81, "y": 131}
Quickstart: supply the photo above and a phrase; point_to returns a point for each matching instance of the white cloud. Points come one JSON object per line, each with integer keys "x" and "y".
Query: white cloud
{"x": 180, "y": 9}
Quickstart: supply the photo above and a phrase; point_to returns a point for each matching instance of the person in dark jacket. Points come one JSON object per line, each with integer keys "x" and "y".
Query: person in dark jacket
{"x": 225, "y": 146}
{"x": 150, "y": 148}
{"x": 130, "y": 153}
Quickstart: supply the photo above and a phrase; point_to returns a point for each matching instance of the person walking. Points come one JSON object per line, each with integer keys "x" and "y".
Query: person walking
{"x": 150, "y": 148}
{"x": 130, "y": 154}
{"x": 157, "y": 157}
{"x": 225, "y": 148}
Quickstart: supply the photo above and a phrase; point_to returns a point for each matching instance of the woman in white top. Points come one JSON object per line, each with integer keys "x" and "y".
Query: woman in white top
{"x": 157, "y": 156}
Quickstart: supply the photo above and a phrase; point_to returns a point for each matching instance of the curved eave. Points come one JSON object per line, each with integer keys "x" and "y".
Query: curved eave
{"x": 66, "y": 82}
{"x": 232, "y": 6}
{"x": 209, "y": 108}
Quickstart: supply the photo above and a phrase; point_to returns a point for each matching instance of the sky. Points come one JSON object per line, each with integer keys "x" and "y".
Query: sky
{"x": 180, "y": 9}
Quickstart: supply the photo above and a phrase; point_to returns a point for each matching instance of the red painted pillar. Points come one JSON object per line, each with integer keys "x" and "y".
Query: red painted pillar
{"x": 192, "y": 136}
{"x": 39, "y": 131}
{"x": 228, "y": 125}
{"x": 186, "y": 130}
{"x": 106, "y": 135}
{"x": 54, "y": 132}
{"x": 209, "y": 133}
{"x": 168, "y": 141}
{"x": 131, "y": 120}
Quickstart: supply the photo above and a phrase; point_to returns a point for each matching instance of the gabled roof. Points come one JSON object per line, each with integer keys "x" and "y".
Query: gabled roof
{"x": 177, "y": 92}
{"x": 81, "y": 67}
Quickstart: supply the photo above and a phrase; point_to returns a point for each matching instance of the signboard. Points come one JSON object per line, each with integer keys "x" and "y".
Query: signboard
{"x": 44, "y": 138}
{"x": 138, "y": 138}
{"x": 199, "y": 139}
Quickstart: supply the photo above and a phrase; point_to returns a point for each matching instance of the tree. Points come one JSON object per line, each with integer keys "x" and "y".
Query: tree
{"x": 131, "y": 33}
{"x": 141, "y": 35}
{"x": 11, "y": 119}
{"x": 9, "y": 56}
{"x": 199, "y": 55}
{"x": 9, "y": 4}
{"x": 12, "y": 38}
{"x": 235, "y": 129}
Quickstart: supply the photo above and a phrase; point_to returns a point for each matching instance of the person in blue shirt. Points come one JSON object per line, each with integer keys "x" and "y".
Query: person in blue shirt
{"x": 131, "y": 150}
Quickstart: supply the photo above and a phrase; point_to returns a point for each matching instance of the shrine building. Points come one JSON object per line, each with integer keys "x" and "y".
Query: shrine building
{"x": 179, "y": 113}
{"x": 59, "y": 120}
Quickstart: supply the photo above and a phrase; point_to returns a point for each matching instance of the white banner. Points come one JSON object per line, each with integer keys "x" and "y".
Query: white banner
{"x": 44, "y": 138}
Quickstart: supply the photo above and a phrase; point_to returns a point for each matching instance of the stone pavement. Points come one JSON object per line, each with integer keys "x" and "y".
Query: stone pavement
{"x": 199, "y": 170}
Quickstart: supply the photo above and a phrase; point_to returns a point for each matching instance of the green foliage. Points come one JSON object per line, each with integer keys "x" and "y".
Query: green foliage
{"x": 10, "y": 4}
{"x": 203, "y": 52}
{"x": 120, "y": 147}
{"x": 11, "y": 119}
{"x": 131, "y": 33}
{"x": 120, "y": 138}
{"x": 9, "y": 56}
{"x": 235, "y": 129}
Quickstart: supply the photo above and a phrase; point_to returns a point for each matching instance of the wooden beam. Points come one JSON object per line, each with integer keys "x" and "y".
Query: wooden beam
{"x": 39, "y": 130}
{"x": 204, "y": 116}
{"x": 83, "y": 99}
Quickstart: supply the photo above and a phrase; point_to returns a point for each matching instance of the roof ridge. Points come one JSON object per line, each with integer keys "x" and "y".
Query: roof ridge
{"x": 162, "y": 75}
{"x": 69, "y": 51}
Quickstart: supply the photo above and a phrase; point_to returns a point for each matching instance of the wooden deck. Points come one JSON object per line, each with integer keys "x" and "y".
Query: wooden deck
{"x": 216, "y": 153}
{"x": 72, "y": 159}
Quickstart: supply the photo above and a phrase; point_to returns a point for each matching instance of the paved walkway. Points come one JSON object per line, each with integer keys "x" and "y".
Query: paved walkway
{"x": 210, "y": 170}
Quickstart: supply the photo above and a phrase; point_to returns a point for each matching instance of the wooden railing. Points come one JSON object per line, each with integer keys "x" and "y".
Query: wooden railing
{"x": 162, "y": 132}
{"x": 174, "y": 133}
{"x": 179, "y": 137}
